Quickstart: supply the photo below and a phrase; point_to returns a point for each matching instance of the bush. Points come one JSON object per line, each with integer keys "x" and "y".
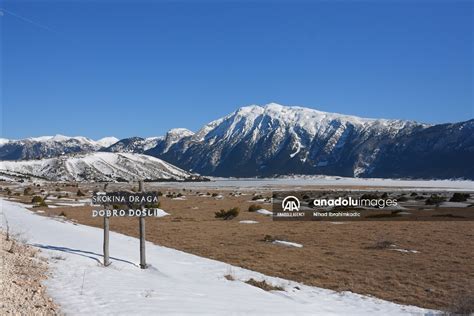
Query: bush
{"x": 459, "y": 197}
{"x": 153, "y": 205}
{"x": 382, "y": 244}
{"x": 214, "y": 194}
{"x": 80, "y": 193}
{"x": 257, "y": 197}
{"x": 37, "y": 199}
{"x": 254, "y": 207}
{"x": 435, "y": 199}
{"x": 27, "y": 191}
{"x": 269, "y": 238}
{"x": 227, "y": 215}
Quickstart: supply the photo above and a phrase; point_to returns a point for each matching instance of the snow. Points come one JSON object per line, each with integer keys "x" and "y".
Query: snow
{"x": 293, "y": 182}
{"x": 248, "y": 222}
{"x": 58, "y": 138}
{"x": 97, "y": 166}
{"x": 288, "y": 243}
{"x": 175, "y": 282}
{"x": 298, "y": 148}
{"x": 69, "y": 204}
{"x": 264, "y": 212}
{"x": 405, "y": 250}
{"x": 107, "y": 141}
{"x": 181, "y": 132}
{"x": 3, "y": 141}
{"x": 160, "y": 213}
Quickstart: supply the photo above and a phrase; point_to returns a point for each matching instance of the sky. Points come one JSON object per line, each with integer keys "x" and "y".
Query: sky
{"x": 140, "y": 68}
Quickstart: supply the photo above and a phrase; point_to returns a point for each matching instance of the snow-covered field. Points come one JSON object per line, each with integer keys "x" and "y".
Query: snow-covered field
{"x": 175, "y": 283}
{"x": 295, "y": 182}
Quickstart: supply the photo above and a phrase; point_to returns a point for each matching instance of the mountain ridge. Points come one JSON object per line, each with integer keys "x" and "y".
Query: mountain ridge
{"x": 275, "y": 140}
{"x": 97, "y": 166}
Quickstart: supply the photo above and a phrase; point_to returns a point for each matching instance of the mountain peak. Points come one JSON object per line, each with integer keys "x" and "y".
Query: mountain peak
{"x": 182, "y": 132}
{"x": 107, "y": 141}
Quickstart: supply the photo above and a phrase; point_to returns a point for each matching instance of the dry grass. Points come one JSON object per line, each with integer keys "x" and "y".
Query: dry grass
{"x": 264, "y": 285}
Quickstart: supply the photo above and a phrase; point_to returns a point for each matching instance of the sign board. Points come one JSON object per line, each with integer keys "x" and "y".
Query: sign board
{"x": 125, "y": 198}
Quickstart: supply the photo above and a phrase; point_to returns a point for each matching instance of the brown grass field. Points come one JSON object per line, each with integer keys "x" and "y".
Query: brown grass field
{"x": 348, "y": 256}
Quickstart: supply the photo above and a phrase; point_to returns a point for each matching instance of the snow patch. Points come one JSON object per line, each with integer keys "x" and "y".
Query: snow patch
{"x": 264, "y": 212}
{"x": 287, "y": 243}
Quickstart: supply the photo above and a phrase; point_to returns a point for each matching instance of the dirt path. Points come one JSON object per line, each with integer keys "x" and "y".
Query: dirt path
{"x": 21, "y": 271}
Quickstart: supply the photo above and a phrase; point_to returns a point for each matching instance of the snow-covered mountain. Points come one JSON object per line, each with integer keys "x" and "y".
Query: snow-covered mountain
{"x": 99, "y": 166}
{"x": 134, "y": 145}
{"x": 281, "y": 140}
{"x": 275, "y": 139}
{"x": 50, "y": 146}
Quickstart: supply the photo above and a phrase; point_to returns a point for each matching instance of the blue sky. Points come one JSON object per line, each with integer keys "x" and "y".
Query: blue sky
{"x": 137, "y": 68}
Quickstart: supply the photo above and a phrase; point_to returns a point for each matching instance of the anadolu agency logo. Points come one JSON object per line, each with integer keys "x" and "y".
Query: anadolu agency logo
{"x": 290, "y": 208}
{"x": 290, "y": 204}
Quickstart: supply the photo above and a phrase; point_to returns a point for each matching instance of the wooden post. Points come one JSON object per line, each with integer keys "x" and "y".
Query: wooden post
{"x": 106, "y": 235}
{"x": 142, "y": 232}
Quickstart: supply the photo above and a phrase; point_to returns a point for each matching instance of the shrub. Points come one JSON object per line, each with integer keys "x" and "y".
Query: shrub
{"x": 268, "y": 238}
{"x": 153, "y": 205}
{"x": 227, "y": 215}
{"x": 37, "y": 199}
{"x": 413, "y": 194}
{"x": 27, "y": 191}
{"x": 58, "y": 189}
{"x": 257, "y": 197}
{"x": 214, "y": 194}
{"x": 459, "y": 197}
{"x": 254, "y": 207}
{"x": 382, "y": 244}
{"x": 80, "y": 193}
{"x": 435, "y": 199}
